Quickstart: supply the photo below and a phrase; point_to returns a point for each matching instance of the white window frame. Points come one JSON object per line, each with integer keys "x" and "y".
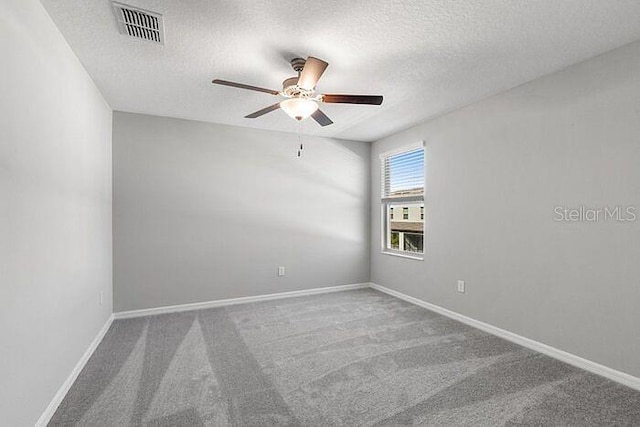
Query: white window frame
{"x": 385, "y": 232}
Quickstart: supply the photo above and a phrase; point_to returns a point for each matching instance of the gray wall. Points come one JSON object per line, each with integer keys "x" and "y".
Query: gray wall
{"x": 205, "y": 212}
{"x": 495, "y": 171}
{"x": 55, "y": 211}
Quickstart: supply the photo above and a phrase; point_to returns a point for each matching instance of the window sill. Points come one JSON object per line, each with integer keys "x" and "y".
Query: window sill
{"x": 404, "y": 255}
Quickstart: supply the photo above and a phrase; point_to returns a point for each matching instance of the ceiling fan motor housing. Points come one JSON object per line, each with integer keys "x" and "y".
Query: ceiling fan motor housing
{"x": 291, "y": 89}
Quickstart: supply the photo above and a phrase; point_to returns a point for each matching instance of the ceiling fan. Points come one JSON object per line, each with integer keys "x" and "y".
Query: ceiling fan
{"x": 301, "y": 99}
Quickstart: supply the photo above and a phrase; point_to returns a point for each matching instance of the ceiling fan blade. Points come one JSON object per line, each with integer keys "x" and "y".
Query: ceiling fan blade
{"x": 311, "y": 73}
{"x": 352, "y": 99}
{"x": 264, "y": 111}
{"x": 321, "y": 118}
{"x": 243, "y": 86}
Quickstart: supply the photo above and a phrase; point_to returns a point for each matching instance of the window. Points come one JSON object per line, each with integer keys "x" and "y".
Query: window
{"x": 403, "y": 190}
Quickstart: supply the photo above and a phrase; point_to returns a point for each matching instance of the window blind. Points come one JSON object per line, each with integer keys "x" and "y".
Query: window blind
{"x": 403, "y": 175}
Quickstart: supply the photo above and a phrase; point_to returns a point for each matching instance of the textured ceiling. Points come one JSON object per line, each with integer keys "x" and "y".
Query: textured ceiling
{"x": 425, "y": 57}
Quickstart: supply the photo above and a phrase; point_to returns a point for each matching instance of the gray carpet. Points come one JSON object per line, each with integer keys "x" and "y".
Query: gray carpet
{"x": 348, "y": 358}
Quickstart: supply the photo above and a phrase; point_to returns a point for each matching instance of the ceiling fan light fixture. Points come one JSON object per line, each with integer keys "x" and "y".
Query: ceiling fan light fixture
{"x": 299, "y": 108}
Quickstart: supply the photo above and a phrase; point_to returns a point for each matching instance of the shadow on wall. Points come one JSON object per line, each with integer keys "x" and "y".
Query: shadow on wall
{"x": 215, "y": 209}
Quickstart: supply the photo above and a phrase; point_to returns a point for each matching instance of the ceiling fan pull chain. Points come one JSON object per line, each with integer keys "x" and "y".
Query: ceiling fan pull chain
{"x": 300, "y": 145}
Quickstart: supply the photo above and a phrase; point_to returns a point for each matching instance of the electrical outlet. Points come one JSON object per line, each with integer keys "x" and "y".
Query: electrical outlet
{"x": 101, "y": 297}
{"x": 280, "y": 271}
{"x": 461, "y": 286}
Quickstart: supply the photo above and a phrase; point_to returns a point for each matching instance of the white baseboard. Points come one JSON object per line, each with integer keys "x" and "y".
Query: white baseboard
{"x": 64, "y": 389}
{"x": 571, "y": 359}
{"x": 233, "y": 301}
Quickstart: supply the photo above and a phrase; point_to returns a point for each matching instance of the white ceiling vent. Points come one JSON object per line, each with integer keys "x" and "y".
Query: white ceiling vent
{"x": 139, "y": 23}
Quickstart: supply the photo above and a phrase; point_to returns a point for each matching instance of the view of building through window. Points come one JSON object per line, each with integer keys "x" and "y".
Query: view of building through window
{"x": 406, "y": 233}
{"x": 403, "y": 201}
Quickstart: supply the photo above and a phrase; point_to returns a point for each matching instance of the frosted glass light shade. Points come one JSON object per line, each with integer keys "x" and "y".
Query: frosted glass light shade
{"x": 299, "y": 108}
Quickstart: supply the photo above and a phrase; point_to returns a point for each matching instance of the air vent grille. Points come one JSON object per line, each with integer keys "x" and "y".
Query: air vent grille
{"x": 139, "y": 23}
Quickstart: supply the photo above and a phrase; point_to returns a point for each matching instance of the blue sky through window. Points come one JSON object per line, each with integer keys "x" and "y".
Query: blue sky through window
{"x": 406, "y": 171}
